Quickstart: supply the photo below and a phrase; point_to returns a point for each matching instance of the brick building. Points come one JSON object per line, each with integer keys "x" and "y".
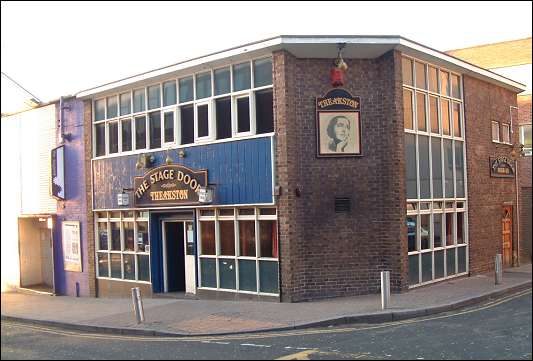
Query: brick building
{"x": 266, "y": 172}
{"x": 513, "y": 59}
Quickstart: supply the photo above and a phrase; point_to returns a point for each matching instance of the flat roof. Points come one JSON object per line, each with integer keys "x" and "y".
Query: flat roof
{"x": 312, "y": 46}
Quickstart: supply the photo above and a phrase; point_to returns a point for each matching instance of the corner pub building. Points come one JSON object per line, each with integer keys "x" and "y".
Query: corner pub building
{"x": 300, "y": 167}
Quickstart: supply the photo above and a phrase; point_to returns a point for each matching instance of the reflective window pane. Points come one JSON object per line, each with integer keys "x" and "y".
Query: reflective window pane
{"x": 155, "y": 129}
{"x": 223, "y": 116}
{"x": 268, "y": 276}
{"x": 456, "y": 111}
{"x": 439, "y": 264}
{"x": 115, "y": 236}
{"x": 445, "y": 116}
{"x": 140, "y": 132}
{"x": 437, "y": 230}
{"x": 423, "y": 164}
{"x": 138, "y": 100}
{"x": 203, "y": 120}
{"x": 456, "y": 86}
{"x": 436, "y": 163}
{"x": 420, "y": 75}
{"x": 113, "y": 137}
{"x": 222, "y": 81}
{"x": 268, "y": 239}
{"x": 433, "y": 79}
{"x": 207, "y": 237}
{"x": 407, "y": 71}
{"x": 496, "y": 131}
{"x": 461, "y": 259}
{"x": 247, "y": 275}
{"x": 450, "y": 261}
{"x": 116, "y": 265}
{"x": 421, "y": 111}
{"x": 99, "y": 109}
{"x": 102, "y": 236}
{"x": 169, "y": 127}
{"x": 434, "y": 114}
{"x": 226, "y": 269}
{"x": 444, "y": 83}
{"x": 103, "y": 265}
{"x": 227, "y": 238}
{"x": 448, "y": 168}
{"x": 449, "y": 229}
{"x": 241, "y": 76}
{"x": 129, "y": 237}
{"x": 460, "y": 228}
{"x": 264, "y": 111}
{"x": 186, "y": 89}
{"x": 99, "y": 130}
{"x": 126, "y": 135}
{"x": 262, "y": 72}
{"x": 414, "y": 268}
{"x": 247, "y": 238}
{"x": 169, "y": 93}
{"x": 187, "y": 124}
{"x": 129, "y": 266}
{"x": 143, "y": 239}
{"x": 407, "y": 109}
{"x": 411, "y": 233}
{"x": 427, "y": 266}
{"x": 203, "y": 85}
{"x": 410, "y": 166}
{"x": 112, "y": 107}
{"x": 459, "y": 170}
{"x": 208, "y": 272}
{"x": 425, "y": 231}
{"x": 243, "y": 115}
{"x": 125, "y": 103}
{"x": 154, "y": 97}
{"x": 144, "y": 267}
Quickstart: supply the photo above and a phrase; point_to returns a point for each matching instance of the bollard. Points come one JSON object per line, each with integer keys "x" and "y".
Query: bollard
{"x": 137, "y": 304}
{"x": 498, "y": 269}
{"x": 385, "y": 289}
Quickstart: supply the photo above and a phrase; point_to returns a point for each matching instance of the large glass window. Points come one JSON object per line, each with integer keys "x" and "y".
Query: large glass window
{"x": 263, "y": 72}
{"x": 99, "y": 109}
{"x": 437, "y": 232}
{"x": 525, "y": 138}
{"x": 187, "y": 124}
{"x": 125, "y": 255}
{"x": 140, "y": 132}
{"x": 223, "y": 115}
{"x": 495, "y": 131}
{"x": 138, "y": 100}
{"x": 241, "y": 76}
{"x": 154, "y": 97}
{"x": 155, "y": 130}
{"x": 186, "y": 89}
{"x": 113, "y": 137}
{"x": 125, "y": 103}
{"x": 126, "y": 134}
{"x": 254, "y": 267}
{"x": 222, "y": 81}
{"x": 169, "y": 93}
{"x": 506, "y": 134}
{"x": 100, "y": 139}
{"x": 264, "y": 111}
{"x": 407, "y": 71}
{"x": 202, "y": 120}
{"x": 169, "y": 127}
{"x": 243, "y": 114}
{"x": 203, "y": 85}
{"x": 112, "y": 107}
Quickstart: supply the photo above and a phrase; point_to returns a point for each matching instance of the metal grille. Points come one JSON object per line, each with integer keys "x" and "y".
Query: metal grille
{"x": 342, "y": 205}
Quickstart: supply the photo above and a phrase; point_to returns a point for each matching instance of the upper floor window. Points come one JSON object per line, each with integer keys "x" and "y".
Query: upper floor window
{"x": 232, "y": 101}
{"x": 495, "y": 131}
{"x": 506, "y": 134}
{"x": 525, "y": 138}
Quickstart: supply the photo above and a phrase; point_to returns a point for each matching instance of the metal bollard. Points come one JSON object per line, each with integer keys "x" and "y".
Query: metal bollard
{"x": 385, "y": 289}
{"x": 498, "y": 269}
{"x": 137, "y": 304}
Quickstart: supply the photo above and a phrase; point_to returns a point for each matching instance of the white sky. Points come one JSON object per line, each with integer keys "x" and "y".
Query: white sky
{"x": 60, "y": 48}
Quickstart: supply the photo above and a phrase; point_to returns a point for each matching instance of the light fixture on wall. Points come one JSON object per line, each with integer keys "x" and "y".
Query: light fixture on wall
{"x": 168, "y": 159}
{"x": 339, "y": 67}
{"x": 181, "y": 153}
{"x": 144, "y": 161}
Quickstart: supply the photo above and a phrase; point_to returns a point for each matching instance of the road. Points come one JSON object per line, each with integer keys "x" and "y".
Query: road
{"x": 499, "y": 329}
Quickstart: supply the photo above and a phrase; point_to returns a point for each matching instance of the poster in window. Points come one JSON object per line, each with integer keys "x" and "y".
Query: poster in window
{"x": 71, "y": 246}
{"x": 338, "y": 124}
{"x": 58, "y": 173}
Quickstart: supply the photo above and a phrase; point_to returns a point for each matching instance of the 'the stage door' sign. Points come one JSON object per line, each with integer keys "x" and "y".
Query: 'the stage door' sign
{"x": 169, "y": 185}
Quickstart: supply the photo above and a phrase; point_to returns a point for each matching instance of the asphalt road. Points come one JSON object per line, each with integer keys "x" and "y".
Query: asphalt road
{"x": 500, "y": 329}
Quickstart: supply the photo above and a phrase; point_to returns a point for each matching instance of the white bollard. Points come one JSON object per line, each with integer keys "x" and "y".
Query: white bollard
{"x": 498, "y": 269}
{"x": 137, "y": 304}
{"x": 385, "y": 289}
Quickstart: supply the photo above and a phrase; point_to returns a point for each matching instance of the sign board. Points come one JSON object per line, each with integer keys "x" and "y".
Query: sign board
{"x": 501, "y": 167}
{"x": 169, "y": 185}
{"x": 205, "y": 195}
{"x": 71, "y": 246}
{"x": 338, "y": 124}
{"x": 57, "y": 188}
{"x": 123, "y": 199}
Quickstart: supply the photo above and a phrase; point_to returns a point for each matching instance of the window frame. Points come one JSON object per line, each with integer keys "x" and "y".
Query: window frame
{"x": 493, "y": 122}
{"x": 522, "y": 127}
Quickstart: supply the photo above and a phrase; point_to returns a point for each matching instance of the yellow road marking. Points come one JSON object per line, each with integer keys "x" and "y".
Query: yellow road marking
{"x": 304, "y": 355}
{"x": 262, "y": 335}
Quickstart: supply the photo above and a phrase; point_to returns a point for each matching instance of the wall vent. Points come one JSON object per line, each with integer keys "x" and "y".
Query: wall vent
{"x": 342, "y": 205}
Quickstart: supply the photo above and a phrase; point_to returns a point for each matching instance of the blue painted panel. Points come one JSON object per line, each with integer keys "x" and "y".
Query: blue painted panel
{"x": 156, "y": 253}
{"x": 241, "y": 172}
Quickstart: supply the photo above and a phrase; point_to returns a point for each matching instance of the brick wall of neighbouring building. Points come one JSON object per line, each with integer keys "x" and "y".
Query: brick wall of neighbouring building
{"x": 323, "y": 253}
{"x": 87, "y": 125}
{"x": 483, "y": 103}
{"x": 525, "y": 176}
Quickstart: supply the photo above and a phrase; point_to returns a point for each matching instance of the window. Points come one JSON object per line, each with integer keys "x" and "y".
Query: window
{"x": 222, "y": 81}
{"x": 437, "y": 233}
{"x": 203, "y": 85}
{"x": 140, "y": 132}
{"x": 126, "y": 134}
{"x": 121, "y": 247}
{"x": 187, "y": 124}
{"x": 113, "y": 137}
{"x": 99, "y": 130}
{"x": 264, "y": 111}
{"x": 112, "y": 107}
{"x": 241, "y": 76}
{"x": 242, "y": 106}
{"x": 202, "y": 120}
{"x": 525, "y": 138}
{"x": 154, "y": 97}
{"x": 495, "y": 131}
{"x": 407, "y": 71}
{"x": 125, "y": 103}
{"x": 169, "y": 93}
{"x": 138, "y": 101}
{"x": 263, "y": 72}
{"x": 155, "y": 130}
{"x": 506, "y": 135}
{"x": 223, "y": 116}
{"x": 99, "y": 109}
{"x": 168, "y": 119}
{"x": 186, "y": 89}
{"x": 247, "y": 241}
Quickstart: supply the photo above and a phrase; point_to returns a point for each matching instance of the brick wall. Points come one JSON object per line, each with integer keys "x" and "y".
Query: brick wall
{"x": 525, "y": 177}
{"x": 483, "y": 103}
{"x": 323, "y": 253}
{"x": 87, "y": 125}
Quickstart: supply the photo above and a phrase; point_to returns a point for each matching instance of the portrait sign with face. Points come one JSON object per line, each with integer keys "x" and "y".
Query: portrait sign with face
{"x": 338, "y": 124}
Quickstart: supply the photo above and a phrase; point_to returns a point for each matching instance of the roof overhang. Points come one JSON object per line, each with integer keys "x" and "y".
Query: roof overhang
{"x": 302, "y": 46}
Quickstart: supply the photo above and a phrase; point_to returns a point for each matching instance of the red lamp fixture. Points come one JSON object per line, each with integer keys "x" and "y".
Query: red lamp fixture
{"x": 339, "y": 67}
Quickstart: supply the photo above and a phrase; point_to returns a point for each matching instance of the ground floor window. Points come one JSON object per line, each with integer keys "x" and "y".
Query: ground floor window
{"x": 238, "y": 249}
{"x": 123, "y": 245}
{"x": 437, "y": 240}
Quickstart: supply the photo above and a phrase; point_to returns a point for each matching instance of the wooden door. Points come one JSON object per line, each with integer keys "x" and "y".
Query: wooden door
{"x": 507, "y": 235}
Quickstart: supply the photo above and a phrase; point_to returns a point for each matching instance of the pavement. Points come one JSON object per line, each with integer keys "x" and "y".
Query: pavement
{"x": 188, "y": 317}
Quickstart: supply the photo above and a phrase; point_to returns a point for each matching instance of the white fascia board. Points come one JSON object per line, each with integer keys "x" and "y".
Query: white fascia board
{"x": 258, "y": 46}
{"x": 391, "y": 40}
{"x": 471, "y": 69}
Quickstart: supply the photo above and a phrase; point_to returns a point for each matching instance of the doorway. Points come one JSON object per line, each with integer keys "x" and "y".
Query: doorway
{"x": 178, "y": 270}
{"x": 507, "y": 235}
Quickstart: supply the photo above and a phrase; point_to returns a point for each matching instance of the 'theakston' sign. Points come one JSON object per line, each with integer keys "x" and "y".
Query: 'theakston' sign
{"x": 168, "y": 185}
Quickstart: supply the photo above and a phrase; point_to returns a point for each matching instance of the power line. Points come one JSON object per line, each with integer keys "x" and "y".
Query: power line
{"x": 21, "y": 87}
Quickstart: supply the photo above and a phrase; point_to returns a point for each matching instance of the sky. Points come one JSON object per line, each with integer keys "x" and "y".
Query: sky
{"x": 60, "y": 48}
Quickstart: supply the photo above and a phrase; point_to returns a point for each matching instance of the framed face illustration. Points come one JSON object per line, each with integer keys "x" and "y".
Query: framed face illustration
{"x": 338, "y": 125}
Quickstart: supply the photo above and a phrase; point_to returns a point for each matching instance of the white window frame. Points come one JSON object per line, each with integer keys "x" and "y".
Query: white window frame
{"x": 235, "y": 114}
{"x": 527, "y": 150}
{"x": 164, "y": 143}
{"x": 493, "y": 123}
{"x": 210, "y": 123}
{"x": 508, "y": 127}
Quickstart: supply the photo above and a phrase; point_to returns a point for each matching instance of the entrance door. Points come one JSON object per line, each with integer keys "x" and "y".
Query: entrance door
{"x": 173, "y": 256}
{"x": 507, "y": 235}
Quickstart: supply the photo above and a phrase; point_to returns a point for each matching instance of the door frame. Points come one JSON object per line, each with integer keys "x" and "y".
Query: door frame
{"x": 164, "y": 250}
{"x": 510, "y": 207}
